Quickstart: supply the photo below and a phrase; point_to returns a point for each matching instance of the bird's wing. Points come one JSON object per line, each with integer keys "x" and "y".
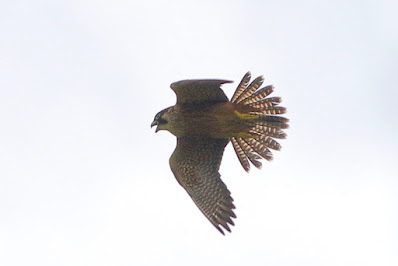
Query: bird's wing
{"x": 195, "y": 163}
{"x": 199, "y": 91}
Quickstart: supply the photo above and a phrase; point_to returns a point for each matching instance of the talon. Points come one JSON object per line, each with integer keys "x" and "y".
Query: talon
{"x": 246, "y": 116}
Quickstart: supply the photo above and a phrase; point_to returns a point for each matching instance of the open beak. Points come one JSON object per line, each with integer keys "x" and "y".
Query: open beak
{"x": 155, "y": 123}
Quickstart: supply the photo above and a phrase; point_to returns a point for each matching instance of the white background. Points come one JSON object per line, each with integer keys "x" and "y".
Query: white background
{"x": 85, "y": 181}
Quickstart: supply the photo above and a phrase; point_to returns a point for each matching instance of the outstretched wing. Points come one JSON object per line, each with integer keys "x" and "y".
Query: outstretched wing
{"x": 199, "y": 91}
{"x": 195, "y": 164}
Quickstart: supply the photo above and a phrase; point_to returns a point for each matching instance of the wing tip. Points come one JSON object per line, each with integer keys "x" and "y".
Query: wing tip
{"x": 223, "y": 218}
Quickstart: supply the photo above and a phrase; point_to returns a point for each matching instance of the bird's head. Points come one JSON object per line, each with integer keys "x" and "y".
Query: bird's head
{"x": 161, "y": 120}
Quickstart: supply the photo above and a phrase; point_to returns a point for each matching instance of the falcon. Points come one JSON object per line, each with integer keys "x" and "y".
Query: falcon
{"x": 204, "y": 122}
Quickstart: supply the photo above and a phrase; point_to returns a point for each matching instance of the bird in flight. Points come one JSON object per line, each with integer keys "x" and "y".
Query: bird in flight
{"x": 204, "y": 122}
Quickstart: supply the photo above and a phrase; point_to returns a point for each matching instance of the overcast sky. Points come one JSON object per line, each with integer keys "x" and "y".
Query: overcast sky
{"x": 85, "y": 181}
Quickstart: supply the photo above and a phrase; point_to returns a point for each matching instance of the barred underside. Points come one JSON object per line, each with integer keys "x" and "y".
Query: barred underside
{"x": 264, "y": 129}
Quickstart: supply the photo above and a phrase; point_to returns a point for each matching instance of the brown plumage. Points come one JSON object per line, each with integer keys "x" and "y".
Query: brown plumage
{"x": 204, "y": 121}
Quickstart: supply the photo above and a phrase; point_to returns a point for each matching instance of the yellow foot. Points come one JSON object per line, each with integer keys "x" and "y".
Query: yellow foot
{"x": 246, "y": 116}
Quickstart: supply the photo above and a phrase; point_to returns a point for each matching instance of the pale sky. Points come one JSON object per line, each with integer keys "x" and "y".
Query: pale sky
{"x": 85, "y": 181}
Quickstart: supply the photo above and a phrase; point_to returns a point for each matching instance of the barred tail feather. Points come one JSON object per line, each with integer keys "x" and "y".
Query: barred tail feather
{"x": 274, "y": 110}
{"x": 241, "y": 154}
{"x": 250, "y": 89}
{"x": 259, "y": 95}
{"x": 264, "y": 103}
{"x": 260, "y": 148}
{"x": 270, "y": 121}
{"x": 246, "y": 153}
{"x": 250, "y": 153}
{"x": 274, "y": 132}
{"x": 270, "y": 143}
{"x": 262, "y": 130}
{"x": 241, "y": 87}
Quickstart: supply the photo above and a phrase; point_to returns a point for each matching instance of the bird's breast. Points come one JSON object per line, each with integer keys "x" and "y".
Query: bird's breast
{"x": 215, "y": 121}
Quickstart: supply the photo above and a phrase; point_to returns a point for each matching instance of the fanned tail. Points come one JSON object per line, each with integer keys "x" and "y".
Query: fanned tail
{"x": 264, "y": 124}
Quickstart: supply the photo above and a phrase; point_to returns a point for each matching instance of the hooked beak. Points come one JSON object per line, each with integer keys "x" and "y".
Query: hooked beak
{"x": 155, "y": 123}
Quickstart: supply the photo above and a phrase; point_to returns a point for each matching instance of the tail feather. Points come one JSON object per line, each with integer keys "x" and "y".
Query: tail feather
{"x": 241, "y": 87}
{"x": 250, "y": 153}
{"x": 267, "y": 102}
{"x": 250, "y": 89}
{"x": 260, "y": 148}
{"x": 274, "y": 110}
{"x": 270, "y": 143}
{"x": 274, "y": 132}
{"x": 259, "y": 95}
{"x": 263, "y": 129}
{"x": 271, "y": 121}
{"x": 241, "y": 154}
